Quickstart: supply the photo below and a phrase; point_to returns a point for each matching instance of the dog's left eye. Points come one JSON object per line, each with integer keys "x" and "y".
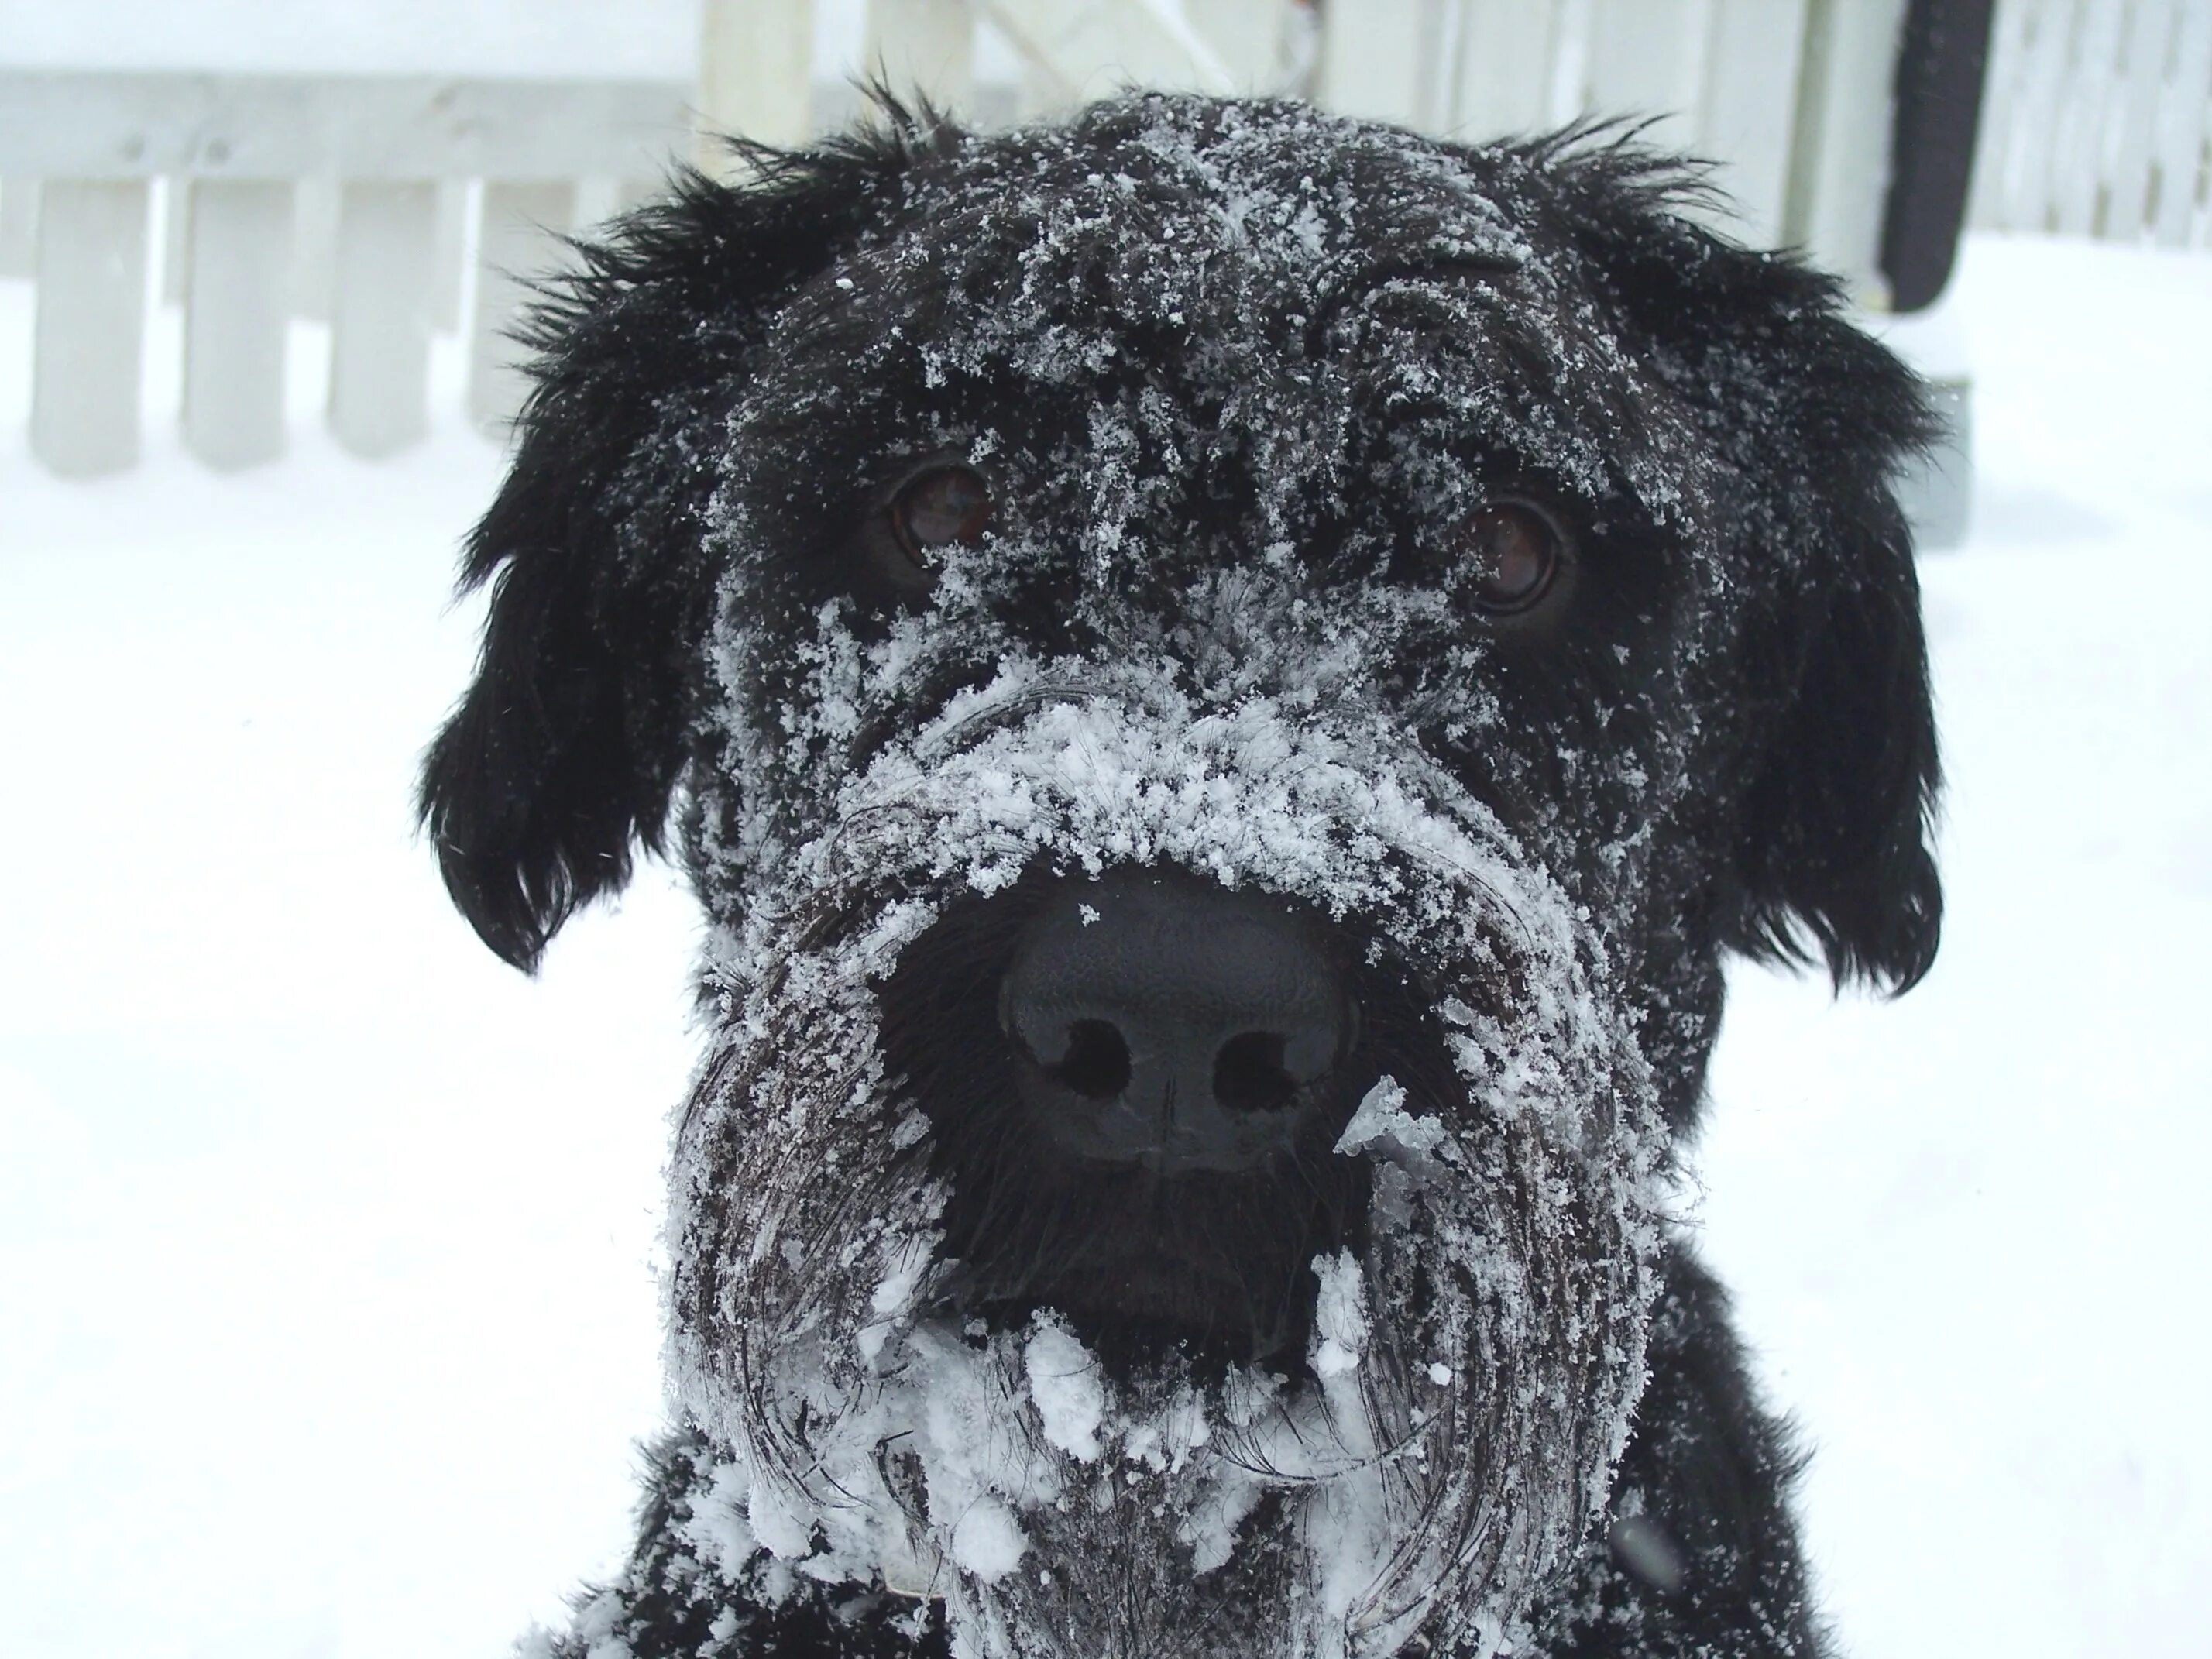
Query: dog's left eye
{"x": 943, "y": 506}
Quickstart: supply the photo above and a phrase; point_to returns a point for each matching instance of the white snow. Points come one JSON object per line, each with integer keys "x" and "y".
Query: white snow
{"x": 1382, "y": 1120}
{"x": 326, "y": 1243}
{"x": 1066, "y": 1387}
{"x": 1340, "y": 1316}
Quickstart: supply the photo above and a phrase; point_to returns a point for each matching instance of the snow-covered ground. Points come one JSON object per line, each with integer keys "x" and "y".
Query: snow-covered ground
{"x": 327, "y": 1307}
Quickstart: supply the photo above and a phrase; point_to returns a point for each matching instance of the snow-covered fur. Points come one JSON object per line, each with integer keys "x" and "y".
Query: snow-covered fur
{"x": 1248, "y": 388}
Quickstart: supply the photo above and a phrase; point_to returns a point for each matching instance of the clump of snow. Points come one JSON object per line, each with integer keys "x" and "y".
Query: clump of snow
{"x": 1067, "y": 1389}
{"x": 1383, "y": 1121}
{"x": 986, "y": 1540}
{"x": 1340, "y": 1316}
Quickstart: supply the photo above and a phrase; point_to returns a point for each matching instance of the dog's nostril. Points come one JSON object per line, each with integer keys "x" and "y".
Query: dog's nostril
{"x": 1097, "y": 1063}
{"x": 1248, "y": 1075}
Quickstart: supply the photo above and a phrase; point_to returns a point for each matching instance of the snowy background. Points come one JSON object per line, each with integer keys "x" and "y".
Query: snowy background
{"x": 327, "y": 1304}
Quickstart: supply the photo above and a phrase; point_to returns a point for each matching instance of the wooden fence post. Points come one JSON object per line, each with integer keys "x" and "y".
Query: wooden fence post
{"x": 1752, "y": 62}
{"x": 237, "y": 307}
{"x": 19, "y": 226}
{"x": 514, "y": 246}
{"x": 2078, "y": 145}
{"x": 449, "y": 258}
{"x": 381, "y": 308}
{"x": 756, "y": 75}
{"x": 176, "y": 239}
{"x": 91, "y": 325}
{"x": 317, "y": 203}
{"x": 2134, "y": 112}
{"x": 1370, "y": 59}
{"x": 926, "y": 46}
{"x": 2185, "y": 125}
{"x": 1646, "y": 59}
{"x": 1073, "y": 51}
{"x": 1502, "y": 72}
{"x": 1839, "y": 157}
{"x": 1247, "y": 35}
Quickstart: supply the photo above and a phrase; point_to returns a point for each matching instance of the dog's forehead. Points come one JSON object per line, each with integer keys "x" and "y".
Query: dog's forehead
{"x": 1207, "y": 281}
{"x": 1182, "y": 217}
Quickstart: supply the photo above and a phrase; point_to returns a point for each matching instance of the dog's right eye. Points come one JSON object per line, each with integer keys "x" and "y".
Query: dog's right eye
{"x": 1520, "y": 548}
{"x": 945, "y": 507}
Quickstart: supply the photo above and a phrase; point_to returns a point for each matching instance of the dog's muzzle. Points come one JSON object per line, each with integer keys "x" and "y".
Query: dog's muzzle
{"x": 1135, "y": 1085}
{"x": 1040, "y": 1011}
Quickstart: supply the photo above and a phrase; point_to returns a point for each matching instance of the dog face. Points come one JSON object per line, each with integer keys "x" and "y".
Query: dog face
{"x": 1231, "y": 675}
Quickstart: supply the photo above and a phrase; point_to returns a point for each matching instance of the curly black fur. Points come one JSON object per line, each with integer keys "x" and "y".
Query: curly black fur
{"x": 1755, "y": 622}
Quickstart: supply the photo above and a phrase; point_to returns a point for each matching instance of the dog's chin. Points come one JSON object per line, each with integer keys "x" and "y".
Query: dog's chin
{"x": 1140, "y": 1521}
{"x": 1140, "y": 1311}
{"x": 1139, "y": 1307}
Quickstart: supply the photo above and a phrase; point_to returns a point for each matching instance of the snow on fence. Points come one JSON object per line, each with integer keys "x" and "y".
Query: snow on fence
{"x": 382, "y": 202}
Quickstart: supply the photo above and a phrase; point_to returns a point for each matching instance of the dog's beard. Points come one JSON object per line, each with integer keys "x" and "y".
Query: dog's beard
{"x": 1470, "y": 1371}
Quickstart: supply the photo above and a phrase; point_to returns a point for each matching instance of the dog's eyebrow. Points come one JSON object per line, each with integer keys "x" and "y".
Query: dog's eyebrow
{"x": 1419, "y": 266}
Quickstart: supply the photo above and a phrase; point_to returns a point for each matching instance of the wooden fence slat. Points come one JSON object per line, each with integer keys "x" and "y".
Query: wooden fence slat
{"x": 1646, "y": 59}
{"x": 2000, "y": 101}
{"x": 90, "y": 328}
{"x": 176, "y": 239}
{"x": 1752, "y": 60}
{"x": 450, "y": 259}
{"x": 2050, "y": 46}
{"x": 236, "y": 307}
{"x": 1839, "y": 156}
{"x": 515, "y": 243}
{"x": 381, "y": 314}
{"x": 1370, "y": 59}
{"x": 598, "y": 199}
{"x": 1247, "y": 36}
{"x": 602, "y": 199}
{"x": 2082, "y": 137}
{"x": 756, "y": 75}
{"x": 2133, "y": 115}
{"x": 19, "y": 226}
{"x": 313, "y": 277}
{"x": 927, "y": 46}
{"x": 1502, "y": 77}
{"x": 2184, "y": 121}
{"x": 1073, "y": 51}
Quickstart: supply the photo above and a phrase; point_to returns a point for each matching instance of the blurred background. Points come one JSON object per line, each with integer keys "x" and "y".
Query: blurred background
{"x": 328, "y": 1313}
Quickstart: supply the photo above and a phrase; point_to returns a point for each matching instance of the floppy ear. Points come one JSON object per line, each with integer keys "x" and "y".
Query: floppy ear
{"x": 1835, "y": 829}
{"x": 567, "y": 748}
{"x": 1813, "y": 420}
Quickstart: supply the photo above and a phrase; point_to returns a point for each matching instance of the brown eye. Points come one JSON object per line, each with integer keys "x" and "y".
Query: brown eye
{"x": 1519, "y": 549}
{"x": 945, "y": 507}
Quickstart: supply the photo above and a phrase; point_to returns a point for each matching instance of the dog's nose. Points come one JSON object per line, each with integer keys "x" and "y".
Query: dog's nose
{"x": 1163, "y": 1021}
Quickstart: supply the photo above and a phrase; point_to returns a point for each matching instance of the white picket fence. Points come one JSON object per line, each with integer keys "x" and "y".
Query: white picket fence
{"x": 402, "y": 208}
{"x": 2098, "y": 121}
{"x": 356, "y": 198}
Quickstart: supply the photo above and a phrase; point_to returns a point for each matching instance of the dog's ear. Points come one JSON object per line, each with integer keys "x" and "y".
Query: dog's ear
{"x": 1835, "y": 829}
{"x": 1812, "y": 420}
{"x": 566, "y": 750}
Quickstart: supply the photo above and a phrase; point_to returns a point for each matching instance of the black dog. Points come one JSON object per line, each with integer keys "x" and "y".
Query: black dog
{"x": 1231, "y": 676}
